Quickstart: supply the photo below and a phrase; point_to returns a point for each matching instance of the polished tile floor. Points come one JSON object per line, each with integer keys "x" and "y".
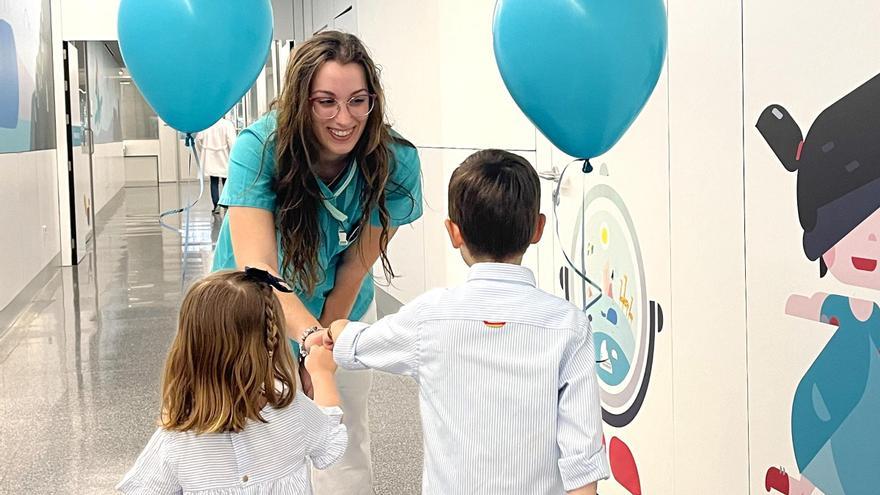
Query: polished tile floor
{"x": 80, "y": 367}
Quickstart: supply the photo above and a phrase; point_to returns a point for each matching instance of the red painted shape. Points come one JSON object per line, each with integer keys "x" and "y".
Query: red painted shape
{"x": 776, "y": 479}
{"x": 800, "y": 148}
{"x": 864, "y": 264}
{"x": 623, "y": 466}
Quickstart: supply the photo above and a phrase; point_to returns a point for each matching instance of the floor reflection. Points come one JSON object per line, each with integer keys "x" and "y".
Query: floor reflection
{"x": 80, "y": 368}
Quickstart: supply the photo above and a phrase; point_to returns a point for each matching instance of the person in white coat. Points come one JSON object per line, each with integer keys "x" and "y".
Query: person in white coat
{"x": 215, "y": 144}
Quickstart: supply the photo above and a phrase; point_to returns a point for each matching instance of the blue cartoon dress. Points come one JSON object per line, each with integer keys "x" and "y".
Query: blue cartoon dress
{"x": 835, "y": 418}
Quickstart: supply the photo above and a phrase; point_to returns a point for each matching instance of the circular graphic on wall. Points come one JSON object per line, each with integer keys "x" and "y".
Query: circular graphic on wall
{"x": 624, "y": 321}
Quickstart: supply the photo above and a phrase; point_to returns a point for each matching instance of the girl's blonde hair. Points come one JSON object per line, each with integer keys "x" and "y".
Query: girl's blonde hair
{"x": 228, "y": 354}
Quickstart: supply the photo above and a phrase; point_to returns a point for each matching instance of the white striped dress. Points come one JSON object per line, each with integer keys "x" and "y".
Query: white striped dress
{"x": 262, "y": 459}
{"x": 507, "y": 384}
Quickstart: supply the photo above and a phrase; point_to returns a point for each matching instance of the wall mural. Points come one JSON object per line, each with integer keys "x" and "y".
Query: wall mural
{"x": 625, "y": 321}
{"x": 835, "y": 409}
{"x": 27, "y": 106}
{"x": 106, "y": 94}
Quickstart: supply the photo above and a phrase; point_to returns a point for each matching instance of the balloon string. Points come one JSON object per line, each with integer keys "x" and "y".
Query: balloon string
{"x": 587, "y": 168}
{"x": 190, "y": 143}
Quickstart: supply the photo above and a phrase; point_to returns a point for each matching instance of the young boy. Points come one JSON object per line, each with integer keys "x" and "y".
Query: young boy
{"x": 507, "y": 385}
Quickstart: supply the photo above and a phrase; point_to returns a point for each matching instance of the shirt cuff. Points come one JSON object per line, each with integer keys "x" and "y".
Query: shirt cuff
{"x": 332, "y": 412}
{"x": 582, "y": 469}
{"x": 345, "y": 346}
{"x": 335, "y": 443}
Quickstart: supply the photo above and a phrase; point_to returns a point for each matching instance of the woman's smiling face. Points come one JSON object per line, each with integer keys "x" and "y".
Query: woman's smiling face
{"x": 334, "y": 84}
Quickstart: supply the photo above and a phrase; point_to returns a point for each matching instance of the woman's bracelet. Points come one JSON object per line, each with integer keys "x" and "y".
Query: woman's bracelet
{"x": 308, "y": 331}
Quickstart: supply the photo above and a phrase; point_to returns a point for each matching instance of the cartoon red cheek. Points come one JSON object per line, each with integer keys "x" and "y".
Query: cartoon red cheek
{"x": 829, "y": 257}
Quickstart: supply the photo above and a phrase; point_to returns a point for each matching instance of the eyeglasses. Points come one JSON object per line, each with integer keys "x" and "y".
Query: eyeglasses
{"x": 359, "y": 106}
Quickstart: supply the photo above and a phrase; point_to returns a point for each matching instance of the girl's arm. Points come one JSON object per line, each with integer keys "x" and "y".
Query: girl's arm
{"x": 321, "y": 367}
{"x": 330, "y": 445}
{"x": 355, "y": 265}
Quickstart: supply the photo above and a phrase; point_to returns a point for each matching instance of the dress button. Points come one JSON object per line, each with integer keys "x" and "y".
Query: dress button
{"x": 244, "y": 479}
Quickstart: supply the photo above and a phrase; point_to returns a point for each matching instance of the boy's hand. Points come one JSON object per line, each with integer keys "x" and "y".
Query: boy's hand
{"x": 334, "y": 332}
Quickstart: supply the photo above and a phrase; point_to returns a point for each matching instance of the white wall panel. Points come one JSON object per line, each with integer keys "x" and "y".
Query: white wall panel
{"x": 108, "y": 171}
{"x": 28, "y": 219}
{"x": 708, "y": 286}
{"x": 439, "y": 71}
{"x": 89, "y": 20}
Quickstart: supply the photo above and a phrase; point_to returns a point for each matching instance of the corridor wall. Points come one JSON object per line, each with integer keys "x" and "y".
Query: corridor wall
{"x": 28, "y": 138}
{"x": 696, "y": 211}
{"x": 812, "y": 106}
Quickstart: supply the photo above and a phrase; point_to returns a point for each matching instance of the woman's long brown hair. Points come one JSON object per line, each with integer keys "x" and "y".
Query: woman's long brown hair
{"x": 297, "y": 152}
{"x": 228, "y": 354}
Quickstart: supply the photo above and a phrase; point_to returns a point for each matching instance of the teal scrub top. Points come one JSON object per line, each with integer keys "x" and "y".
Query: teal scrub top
{"x": 251, "y": 174}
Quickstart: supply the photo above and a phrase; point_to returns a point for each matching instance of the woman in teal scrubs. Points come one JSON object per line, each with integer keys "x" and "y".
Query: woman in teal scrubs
{"x": 316, "y": 190}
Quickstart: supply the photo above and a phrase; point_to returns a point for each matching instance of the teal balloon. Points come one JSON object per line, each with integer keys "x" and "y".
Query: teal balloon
{"x": 194, "y": 59}
{"x": 581, "y": 70}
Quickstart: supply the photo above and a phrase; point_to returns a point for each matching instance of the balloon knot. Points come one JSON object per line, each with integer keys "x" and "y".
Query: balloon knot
{"x": 190, "y": 140}
{"x": 588, "y": 167}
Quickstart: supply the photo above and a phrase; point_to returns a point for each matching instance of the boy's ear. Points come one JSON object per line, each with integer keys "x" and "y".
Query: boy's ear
{"x": 539, "y": 228}
{"x": 454, "y": 234}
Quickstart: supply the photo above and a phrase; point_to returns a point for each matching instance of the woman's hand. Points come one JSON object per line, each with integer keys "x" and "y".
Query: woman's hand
{"x": 319, "y": 338}
{"x": 326, "y": 337}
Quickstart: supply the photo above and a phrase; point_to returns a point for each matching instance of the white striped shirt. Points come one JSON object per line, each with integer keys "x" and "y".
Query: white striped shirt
{"x": 263, "y": 458}
{"x": 507, "y": 384}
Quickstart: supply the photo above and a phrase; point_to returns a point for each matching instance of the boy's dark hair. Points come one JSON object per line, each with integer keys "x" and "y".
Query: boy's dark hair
{"x": 494, "y": 198}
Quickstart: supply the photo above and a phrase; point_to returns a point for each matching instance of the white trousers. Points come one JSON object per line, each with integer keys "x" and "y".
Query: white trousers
{"x": 353, "y": 474}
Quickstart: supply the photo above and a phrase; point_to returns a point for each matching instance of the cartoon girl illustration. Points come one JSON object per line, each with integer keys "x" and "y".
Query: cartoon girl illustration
{"x": 835, "y": 414}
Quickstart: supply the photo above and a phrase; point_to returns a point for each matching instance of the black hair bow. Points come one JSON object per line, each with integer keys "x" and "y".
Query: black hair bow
{"x": 267, "y": 278}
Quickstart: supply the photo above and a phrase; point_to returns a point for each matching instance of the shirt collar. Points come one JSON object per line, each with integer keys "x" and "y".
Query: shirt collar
{"x": 327, "y": 195}
{"x": 503, "y": 272}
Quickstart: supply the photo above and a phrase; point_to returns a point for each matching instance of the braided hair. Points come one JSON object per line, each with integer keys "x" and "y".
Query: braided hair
{"x": 228, "y": 360}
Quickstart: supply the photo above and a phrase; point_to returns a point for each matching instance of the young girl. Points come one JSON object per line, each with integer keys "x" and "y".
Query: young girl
{"x": 836, "y": 406}
{"x": 232, "y": 418}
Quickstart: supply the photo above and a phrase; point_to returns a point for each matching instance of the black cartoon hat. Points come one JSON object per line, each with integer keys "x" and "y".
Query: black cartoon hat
{"x": 838, "y": 164}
